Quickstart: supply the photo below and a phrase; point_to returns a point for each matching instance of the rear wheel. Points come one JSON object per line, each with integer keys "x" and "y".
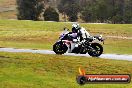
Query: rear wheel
{"x": 96, "y": 51}
{"x": 60, "y": 48}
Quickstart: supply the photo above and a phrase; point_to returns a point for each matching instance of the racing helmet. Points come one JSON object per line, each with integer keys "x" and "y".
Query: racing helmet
{"x": 75, "y": 28}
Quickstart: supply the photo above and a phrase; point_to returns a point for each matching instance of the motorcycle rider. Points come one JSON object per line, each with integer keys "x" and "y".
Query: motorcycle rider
{"x": 81, "y": 35}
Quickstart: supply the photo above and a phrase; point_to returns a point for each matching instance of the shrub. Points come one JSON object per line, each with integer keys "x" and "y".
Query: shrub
{"x": 51, "y": 14}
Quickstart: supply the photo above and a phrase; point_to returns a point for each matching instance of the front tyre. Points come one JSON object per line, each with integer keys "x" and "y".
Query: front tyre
{"x": 96, "y": 50}
{"x": 60, "y": 48}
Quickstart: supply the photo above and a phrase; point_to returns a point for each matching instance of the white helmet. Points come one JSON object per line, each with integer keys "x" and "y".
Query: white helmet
{"x": 75, "y": 26}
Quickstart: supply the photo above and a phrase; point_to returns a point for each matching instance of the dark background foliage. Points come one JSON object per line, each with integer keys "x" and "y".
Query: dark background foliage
{"x": 110, "y": 11}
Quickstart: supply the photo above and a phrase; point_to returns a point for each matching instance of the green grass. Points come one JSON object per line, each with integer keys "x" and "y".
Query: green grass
{"x": 26, "y": 70}
{"x": 42, "y": 35}
{"x": 55, "y": 26}
{"x": 118, "y": 46}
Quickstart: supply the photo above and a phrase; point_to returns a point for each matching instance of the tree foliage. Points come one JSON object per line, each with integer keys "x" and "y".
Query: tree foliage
{"x": 113, "y": 11}
{"x": 51, "y": 14}
{"x": 29, "y": 9}
{"x": 88, "y": 13}
{"x": 110, "y": 11}
{"x": 69, "y": 8}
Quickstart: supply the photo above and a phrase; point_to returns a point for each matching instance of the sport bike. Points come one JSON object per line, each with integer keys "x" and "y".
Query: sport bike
{"x": 91, "y": 45}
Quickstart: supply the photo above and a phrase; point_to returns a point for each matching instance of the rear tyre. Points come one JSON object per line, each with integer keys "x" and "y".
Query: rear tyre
{"x": 60, "y": 48}
{"x": 96, "y": 51}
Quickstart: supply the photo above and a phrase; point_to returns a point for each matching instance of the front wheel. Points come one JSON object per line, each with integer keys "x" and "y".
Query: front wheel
{"x": 60, "y": 48}
{"x": 96, "y": 50}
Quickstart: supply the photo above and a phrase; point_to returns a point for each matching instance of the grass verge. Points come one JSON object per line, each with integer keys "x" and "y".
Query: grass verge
{"x": 26, "y": 70}
{"x": 42, "y": 35}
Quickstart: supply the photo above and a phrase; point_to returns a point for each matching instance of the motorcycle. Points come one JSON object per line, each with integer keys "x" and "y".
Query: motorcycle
{"x": 90, "y": 45}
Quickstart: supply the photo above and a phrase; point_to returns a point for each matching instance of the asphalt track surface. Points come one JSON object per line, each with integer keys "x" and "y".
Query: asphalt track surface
{"x": 105, "y": 56}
